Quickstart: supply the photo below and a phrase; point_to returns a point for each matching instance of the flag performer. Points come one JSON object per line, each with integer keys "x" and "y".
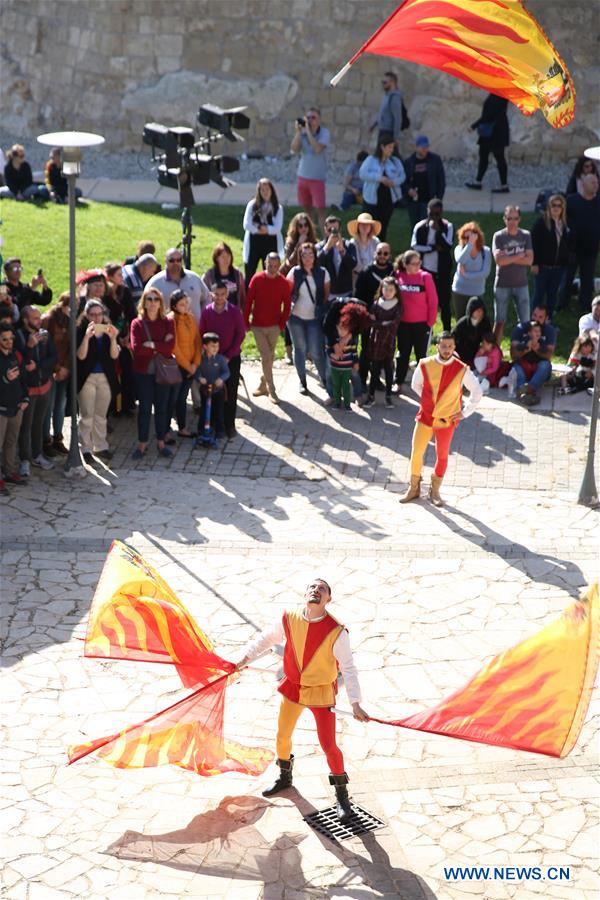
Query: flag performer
{"x": 439, "y": 380}
{"x": 316, "y": 647}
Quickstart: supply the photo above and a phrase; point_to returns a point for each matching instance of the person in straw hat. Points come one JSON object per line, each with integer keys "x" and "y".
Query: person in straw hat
{"x": 365, "y": 231}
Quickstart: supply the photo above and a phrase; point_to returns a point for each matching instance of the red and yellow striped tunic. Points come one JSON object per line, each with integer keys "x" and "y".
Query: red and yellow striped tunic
{"x": 310, "y": 668}
{"x": 441, "y": 398}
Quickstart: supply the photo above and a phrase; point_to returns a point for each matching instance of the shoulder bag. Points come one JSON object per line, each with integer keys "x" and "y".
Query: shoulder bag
{"x": 166, "y": 369}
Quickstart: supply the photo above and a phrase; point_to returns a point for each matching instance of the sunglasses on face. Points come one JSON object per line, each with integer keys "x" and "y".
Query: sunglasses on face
{"x": 382, "y": 253}
{"x": 556, "y": 205}
{"x": 152, "y": 299}
{"x": 511, "y": 218}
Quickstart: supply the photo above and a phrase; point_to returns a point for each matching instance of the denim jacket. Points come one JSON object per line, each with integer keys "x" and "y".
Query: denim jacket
{"x": 372, "y": 171}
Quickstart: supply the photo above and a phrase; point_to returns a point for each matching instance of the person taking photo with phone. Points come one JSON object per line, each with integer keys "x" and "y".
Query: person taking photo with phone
{"x": 97, "y": 382}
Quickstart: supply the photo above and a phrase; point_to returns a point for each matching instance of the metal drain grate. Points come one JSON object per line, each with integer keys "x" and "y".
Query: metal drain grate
{"x": 326, "y": 822}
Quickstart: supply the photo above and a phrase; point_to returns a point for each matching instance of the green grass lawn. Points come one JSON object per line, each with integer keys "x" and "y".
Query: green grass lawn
{"x": 38, "y": 233}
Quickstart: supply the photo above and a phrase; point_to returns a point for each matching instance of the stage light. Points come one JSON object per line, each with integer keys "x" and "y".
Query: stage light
{"x": 224, "y": 120}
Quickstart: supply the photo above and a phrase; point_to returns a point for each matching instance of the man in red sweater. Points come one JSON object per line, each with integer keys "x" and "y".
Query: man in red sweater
{"x": 267, "y": 310}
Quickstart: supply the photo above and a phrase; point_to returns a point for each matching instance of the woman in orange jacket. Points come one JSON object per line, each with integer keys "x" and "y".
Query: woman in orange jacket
{"x": 186, "y": 352}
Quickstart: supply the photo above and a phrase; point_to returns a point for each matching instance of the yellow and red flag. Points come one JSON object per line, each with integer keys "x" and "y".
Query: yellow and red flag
{"x": 136, "y": 616}
{"x": 532, "y": 697}
{"x": 495, "y": 45}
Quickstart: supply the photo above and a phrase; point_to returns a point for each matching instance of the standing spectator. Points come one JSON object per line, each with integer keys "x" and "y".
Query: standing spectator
{"x": 432, "y": 238}
{"x": 470, "y": 329}
{"x": 211, "y": 375}
{"x": 368, "y": 281}
{"x": 18, "y": 178}
{"x": 583, "y": 166}
{"x": 122, "y": 312}
{"x": 386, "y": 313}
{"x": 391, "y": 118}
{"x": 300, "y": 230}
{"x": 342, "y": 352}
{"x": 226, "y": 320}
{"x": 352, "y": 186}
{"x": 8, "y": 308}
{"x": 187, "y": 354}
{"x": 552, "y": 246}
{"x": 56, "y": 183}
{"x": 38, "y": 350}
{"x": 25, "y": 294}
{"x": 267, "y": 311}
{"x": 382, "y": 175}
{"x": 531, "y": 350}
{"x": 583, "y": 216}
{"x": 310, "y": 294}
{"x": 263, "y": 221}
{"x": 425, "y": 179}
{"x": 143, "y": 247}
{"x": 513, "y": 255}
{"x": 223, "y": 270}
{"x": 494, "y": 136}
{"x": 473, "y": 264}
{"x": 14, "y": 400}
{"x": 311, "y": 140}
{"x": 56, "y": 321}
{"x": 591, "y": 321}
{"x": 97, "y": 352}
{"x": 137, "y": 274}
{"x": 364, "y": 230}
{"x": 337, "y": 256}
{"x": 151, "y": 333}
{"x": 360, "y": 326}
{"x": 419, "y": 311}
{"x": 176, "y": 278}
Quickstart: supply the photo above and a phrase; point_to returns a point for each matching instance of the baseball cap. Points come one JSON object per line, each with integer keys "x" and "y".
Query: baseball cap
{"x": 422, "y": 141}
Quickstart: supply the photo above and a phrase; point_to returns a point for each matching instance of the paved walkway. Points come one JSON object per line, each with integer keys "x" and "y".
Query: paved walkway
{"x": 428, "y": 595}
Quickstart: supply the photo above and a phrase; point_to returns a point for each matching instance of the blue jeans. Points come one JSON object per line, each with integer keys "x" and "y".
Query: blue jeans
{"x": 151, "y": 394}
{"x": 416, "y": 211}
{"x": 586, "y": 266}
{"x": 307, "y": 337}
{"x": 348, "y": 200}
{"x": 545, "y": 287}
{"x": 520, "y": 297}
{"x": 34, "y": 190}
{"x": 55, "y": 416}
{"x": 540, "y": 376}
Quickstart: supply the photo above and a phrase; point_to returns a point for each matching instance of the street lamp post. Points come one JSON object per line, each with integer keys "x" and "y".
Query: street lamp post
{"x": 71, "y": 143}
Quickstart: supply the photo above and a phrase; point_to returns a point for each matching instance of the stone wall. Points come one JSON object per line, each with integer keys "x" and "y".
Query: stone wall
{"x": 111, "y": 65}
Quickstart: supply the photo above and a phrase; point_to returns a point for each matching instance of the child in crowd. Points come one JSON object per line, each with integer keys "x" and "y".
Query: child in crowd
{"x": 214, "y": 371}
{"x": 342, "y": 352}
{"x": 488, "y": 361}
{"x": 582, "y": 362}
{"x": 352, "y": 183}
{"x": 385, "y": 316}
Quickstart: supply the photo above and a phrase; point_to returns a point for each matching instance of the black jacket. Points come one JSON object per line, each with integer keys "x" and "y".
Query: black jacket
{"x": 441, "y": 246}
{"x": 98, "y": 352}
{"x": 12, "y": 392}
{"x": 547, "y": 251}
{"x": 23, "y": 295}
{"x": 341, "y": 281}
{"x": 494, "y": 114}
{"x": 368, "y": 282}
{"x": 468, "y": 337}
{"x": 43, "y": 354}
{"x": 436, "y": 177}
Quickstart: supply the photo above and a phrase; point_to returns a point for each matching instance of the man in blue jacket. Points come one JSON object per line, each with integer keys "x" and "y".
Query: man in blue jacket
{"x": 425, "y": 179}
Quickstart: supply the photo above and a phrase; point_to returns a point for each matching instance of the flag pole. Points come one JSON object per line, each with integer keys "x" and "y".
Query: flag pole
{"x": 337, "y": 78}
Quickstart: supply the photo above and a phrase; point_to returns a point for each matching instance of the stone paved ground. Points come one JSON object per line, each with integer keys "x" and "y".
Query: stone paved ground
{"x": 428, "y": 595}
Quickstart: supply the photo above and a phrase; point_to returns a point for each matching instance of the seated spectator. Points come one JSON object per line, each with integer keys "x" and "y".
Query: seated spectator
{"x": 212, "y": 373}
{"x": 267, "y": 311}
{"x": 97, "y": 352}
{"x": 37, "y": 348}
{"x": 14, "y": 399}
{"x": 56, "y": 183}
{"x": 187, "y": 354}
{"x": 8, "y": 308}
{"x": 364, "y": 230}
{"x": 142, "y": 248}
{"x": 488, "y": 362}
{"x": 56, "y": 321}
{"x": 223, "y": 270}
{"x": 381, "y": 343}
{"x": 473, "y": 264}
{"x": 25, "y": 294}
{"x": 226, "y": 320}
{"x": 531, "y": 349}
{"x": 591, "y": 321}
{"x": 18, "y": 178}
{"x": 425, "y": 179}
{"x": 432, "y": 238}
{"x": 310, "y": 295}
{"x": 583, "y": 216}
{"x": 263, "y": 221}
{"x": 352, "y": 186}
{"x": 552, "y": 241}
{"x": 176, "y": 277}
{"x": 336, "y": 255}
{"x": 121, "y": 311}
{"x": 469, "y": 331}
{"x": 137, "y": 275}
{"x": 583, "y": 166}
{"x": 582, "y": 365}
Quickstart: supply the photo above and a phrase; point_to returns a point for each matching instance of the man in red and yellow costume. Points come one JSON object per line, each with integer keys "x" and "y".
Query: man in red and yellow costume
{"x": 439, "y": 382}
{"x": 316, "y": 647}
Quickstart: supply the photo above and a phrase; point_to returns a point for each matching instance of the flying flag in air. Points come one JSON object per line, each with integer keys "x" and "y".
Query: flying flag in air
{"x": 495, "y": 45}
{"x": 532, "y": 697}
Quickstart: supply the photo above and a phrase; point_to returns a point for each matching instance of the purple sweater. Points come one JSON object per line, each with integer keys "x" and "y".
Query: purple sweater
{"x": 229, "y": 325}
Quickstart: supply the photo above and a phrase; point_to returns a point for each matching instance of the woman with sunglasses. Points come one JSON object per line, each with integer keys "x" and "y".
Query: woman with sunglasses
{"x": 300, "y": 230}
{"x": 263, "y": 221}
{"x": 419, "y": 311}
{"x": 152, "y": 333}
{"x": 18, "y": 178}
{"x": 552, "y": 241}
{"x": 310, "y": 293}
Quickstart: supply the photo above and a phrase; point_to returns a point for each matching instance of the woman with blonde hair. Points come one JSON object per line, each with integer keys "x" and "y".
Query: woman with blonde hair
{"x": 552, "y": 242}
{"x": 97, "y": 352}
{"x": 365, "y": 232}
{"x": 152, "y": 335}
{"x": 18, "y": 178}
{"x": 473, "y": 264}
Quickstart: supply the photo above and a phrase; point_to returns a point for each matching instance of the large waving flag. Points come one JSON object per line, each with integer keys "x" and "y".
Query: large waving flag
{"x": 532, "y": 697}
{"x": 495, "y": 45}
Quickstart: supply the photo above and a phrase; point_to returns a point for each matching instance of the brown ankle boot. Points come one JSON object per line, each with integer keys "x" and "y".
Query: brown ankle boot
{"x": 434, "y": 490}
{"x": 414, "y": 489}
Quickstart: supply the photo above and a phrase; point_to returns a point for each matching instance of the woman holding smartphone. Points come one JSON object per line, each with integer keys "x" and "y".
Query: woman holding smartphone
{"x": 97, "y": 351}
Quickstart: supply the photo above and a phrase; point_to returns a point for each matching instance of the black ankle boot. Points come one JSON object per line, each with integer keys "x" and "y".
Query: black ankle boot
{"x": 285, "y": 777}
{"x": 342, "y": 805}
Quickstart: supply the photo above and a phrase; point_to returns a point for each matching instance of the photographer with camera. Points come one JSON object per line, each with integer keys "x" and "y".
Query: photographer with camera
{"x": 311, "y": 140}
{"x": 38, "y": 350}
{"x": 338, "y": 256}
{"x": 25, "y": 294}
{"x": 97, "y": 383}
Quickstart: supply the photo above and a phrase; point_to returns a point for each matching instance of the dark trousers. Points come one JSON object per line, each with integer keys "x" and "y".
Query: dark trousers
{"x": 382, "y": 210}
{"x": 411, "y": 336}
{"x": 151, "y": 394}
{"x": 417, "y": 211}
{"x": 586, "y": 266}
{"x": 484, "y": 155}
{"x": 179, "y": 399}
{"x": 55, "y": 415}
{"x": 260, "y": 245}
{"x": 232, "y": 392}
{"x": 127, "y": 381}
{"x": 443, "y": 287}
{"x": 217, "y": 418}
{"x": 375, "y": 367}
{"x": 545, "y": 287}
{"x": 31, "y": 435}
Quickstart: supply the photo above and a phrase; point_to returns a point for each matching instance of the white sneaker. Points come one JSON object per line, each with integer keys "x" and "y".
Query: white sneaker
{"x": 503, "y": 382}
{"x": 24, "y": 468}
{"x": 42, "y": 463}
{"x": 485, "y": 386}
